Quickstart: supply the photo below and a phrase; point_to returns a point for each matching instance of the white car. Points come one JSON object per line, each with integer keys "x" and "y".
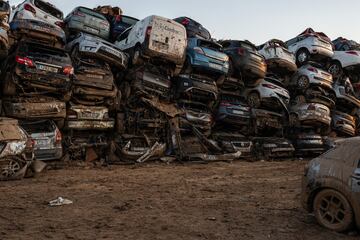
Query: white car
{"x": 155, "y": 38}
{"x": 346, "y": 56}
{"x": 310, "y": 44}
{"x": 278, "y": 56}
{"x": 270, "y": 91}
{"x": 38, "y": 10}
{"x": 92, "y": 46}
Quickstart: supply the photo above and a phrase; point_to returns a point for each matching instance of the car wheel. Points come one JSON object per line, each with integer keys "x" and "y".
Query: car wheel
{"x": 303, "y": 82}
{"x": 9, "y": 168}
{"x": 9, "y": 87}
{"x": 137, "y": 56}
{"x": 302, "y": 56}
{"x": 333, "y": 211}
{"x": 335, "y": 69}
{"x": 254, "y": 100}
{"x": 293, "y": 120}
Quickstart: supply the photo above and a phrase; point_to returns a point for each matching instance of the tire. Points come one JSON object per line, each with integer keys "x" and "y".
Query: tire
{"x": 9, "y": 87}
{"x": 254, "y": 100}
{"x": 302, "y": 56}
{"x": 335, "y": 69}
{"x": 136, "y": 58}
{"x": 303, "y": 82}
{"x": 333, "y": 211}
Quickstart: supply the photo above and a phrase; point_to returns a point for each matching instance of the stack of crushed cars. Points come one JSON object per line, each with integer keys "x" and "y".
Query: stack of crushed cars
{"x": 100, "y": 85}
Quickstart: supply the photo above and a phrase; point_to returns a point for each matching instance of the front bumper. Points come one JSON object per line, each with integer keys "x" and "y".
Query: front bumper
{"x": 89, "y": 124}
{"x": 313, "y": 117}
{"x": 48, "y": 154}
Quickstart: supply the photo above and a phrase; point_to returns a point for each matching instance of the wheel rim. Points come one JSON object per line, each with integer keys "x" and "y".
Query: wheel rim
{"x": 303, "y": 82}
{"x": 10, "y": 169}
{"x": 302, "y": 57}
{"x": 332, "y": 210}
{"x": 334, "y": 69}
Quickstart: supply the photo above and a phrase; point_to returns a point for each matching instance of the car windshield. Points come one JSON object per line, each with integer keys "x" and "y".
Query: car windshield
{"x": 92, "y": 13}
{"x": 210, "y": 45}
{"x": 48, "y": 8}
{"x": 38, "y": 126}
{"x": 37, "y": 49}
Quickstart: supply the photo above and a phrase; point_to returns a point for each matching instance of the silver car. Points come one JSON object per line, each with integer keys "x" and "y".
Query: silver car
{"x": 270, "y": 91}
{"x": 344, "y": 124}
{"x": 92, "y": 46}
{"x": 47, "y": 139}
{"x": 309, "y": 114}
{"x": 311, "y": 75}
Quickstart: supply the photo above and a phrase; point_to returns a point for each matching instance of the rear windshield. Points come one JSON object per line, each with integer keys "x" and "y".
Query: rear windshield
{"x": 92, "y": 13}
{"x": 48, "y": 8}
{"x": 210, "y": 45}
{"x": 4, "y": 6}
{"x": 38, "y": 127}
{"x": 128, "y": 20}
{"x": 32, "y": 49}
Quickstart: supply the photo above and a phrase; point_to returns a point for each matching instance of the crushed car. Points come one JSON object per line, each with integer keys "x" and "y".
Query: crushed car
{"x": 267, "y": 148}
{"x": 344, "y": 124}
{"x": 308, "y": 144}
{"x": 119, "y": 24}
{"x": 193, "y": 28}
{"x": 330, "y": 186}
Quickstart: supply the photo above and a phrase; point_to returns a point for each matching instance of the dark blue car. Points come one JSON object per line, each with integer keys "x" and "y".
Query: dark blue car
{"x": 206, "y": 56}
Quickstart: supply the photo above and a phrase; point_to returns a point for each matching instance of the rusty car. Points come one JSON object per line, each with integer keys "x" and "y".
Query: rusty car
{"x": 331, "y": 186}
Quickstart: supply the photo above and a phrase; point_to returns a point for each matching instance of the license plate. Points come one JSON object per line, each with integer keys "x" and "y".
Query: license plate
{"x": 216, "y": 66}
{"x": 46, "y": 68}
{"x": 94, "y": 76}
{"x": 111, "y": 51}
{"x": 237, "y": 112}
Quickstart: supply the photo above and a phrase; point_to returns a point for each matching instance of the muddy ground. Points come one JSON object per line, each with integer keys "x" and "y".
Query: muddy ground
{"x": 196, "y": 201}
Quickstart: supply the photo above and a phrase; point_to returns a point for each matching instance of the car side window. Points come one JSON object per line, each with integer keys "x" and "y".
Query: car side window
{"x": 124, "y": 35}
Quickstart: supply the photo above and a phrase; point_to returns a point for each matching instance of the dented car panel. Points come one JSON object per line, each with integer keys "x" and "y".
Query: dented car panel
{"x": 81, "y": 117}
{"x": 34, "y": 108}
{"x": 338, "y": 169}
{"x": 343, "y": 123}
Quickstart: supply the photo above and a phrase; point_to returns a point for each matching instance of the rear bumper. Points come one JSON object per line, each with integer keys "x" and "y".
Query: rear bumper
{"x": 313, "y": 117}
{"x": 321, "y": 51}
{"x": 48, "y": 154}
{"x": 282, "y": 63}
{"x": 78, "y": 26}
{"x": 176, "y": 59}
{"x": 89, "y": 124}
{"x": 207, "y": 64}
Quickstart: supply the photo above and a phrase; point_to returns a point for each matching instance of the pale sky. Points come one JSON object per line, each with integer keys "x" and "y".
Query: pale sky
{"x": 255, "y": 20}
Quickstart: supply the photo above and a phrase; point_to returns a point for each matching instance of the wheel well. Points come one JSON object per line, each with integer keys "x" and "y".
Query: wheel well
{"x": 336, "y": 61}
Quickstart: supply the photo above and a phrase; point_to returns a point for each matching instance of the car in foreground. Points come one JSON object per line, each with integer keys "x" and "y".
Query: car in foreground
{"x": 195, "y": 115}
{"x": 83, "y": 19}
{"x": 193, "y": 28}
{"x": 331, "y": 186}
{"x": 278, "y": 57}
{"x": 16, "y": 154}
{"x": 244, "y": 60}
{"x": 47, "y": 139}
{"x": 38, "y": 69}
{"x": 310, "y": 45}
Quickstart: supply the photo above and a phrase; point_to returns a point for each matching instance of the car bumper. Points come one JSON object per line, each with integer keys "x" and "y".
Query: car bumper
{"x": 282, "y": 63}
{"x": 345, "y": 129}
{"x": 89, "y": 124}
{"x": 311, "y": 117}
{"x": 48, "y": 154}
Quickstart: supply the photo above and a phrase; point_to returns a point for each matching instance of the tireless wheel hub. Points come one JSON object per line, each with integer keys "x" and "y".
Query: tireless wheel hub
{"x": 302, "y": 57}
{"x": 303, "y": 82}
{"x": 332, "y": 210}
{"x": 10, "y": 168}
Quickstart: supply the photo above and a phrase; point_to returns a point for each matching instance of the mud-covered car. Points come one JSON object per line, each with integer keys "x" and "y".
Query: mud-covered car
{"x": 148, "y": 79}
{"x": 193, "y": 28}
{"x": 33, "y": 108}
{"x": 267, "y": 120}
{"x": 86, "y": 45}
{"x": 81, "y": 117}
{"x": 83, "y": 19}
{"x": 195, "y": 115}
{"x": 244, "y": 59}
{"x": 308, "y": 144}
{"x": 315, "y": 94}
{"x": 311, "y": 75}
{"x": 196, "y": 87}
{"x": 16, "y": 154}
{"x": 37, "y": 69}
{"x": 233, "y": 142}
{"x": 278, "y": 57}
{"x": 309, "y": 114}
{"x": 206, "y": 57}
{"x": 344, "y": 124}
{"x": 234, "y": 113}
{"x": 345, "y": 95}
{"x": 331, "y": 186}
{"x": 47, "y": 139}
{"x": 273, "y": 147}
{"x": 94, "y": 83}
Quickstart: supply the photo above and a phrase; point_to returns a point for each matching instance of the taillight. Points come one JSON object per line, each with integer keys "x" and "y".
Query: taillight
{"x": 199, "y": 50}
{"x": 312, "y": 69}
{"x": 24, "y": 61}
{"x": 269, "y": 86}
{"x": 60, "y": 24}
{"x": 148, "y": 32}
{"x": 29, "y": 8}
{"x": 241, "y": 51}
{"x": 58, "y": 136}
{"x": 311, "y": 107}
{"x": 78, "y": 13}
{"x": 353, "y": 53}
{"x": 68, "y": 70}
{"x": 185, "y": 22}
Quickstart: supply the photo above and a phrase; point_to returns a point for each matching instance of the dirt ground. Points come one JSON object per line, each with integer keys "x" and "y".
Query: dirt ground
{"x": 196, "y": 201}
